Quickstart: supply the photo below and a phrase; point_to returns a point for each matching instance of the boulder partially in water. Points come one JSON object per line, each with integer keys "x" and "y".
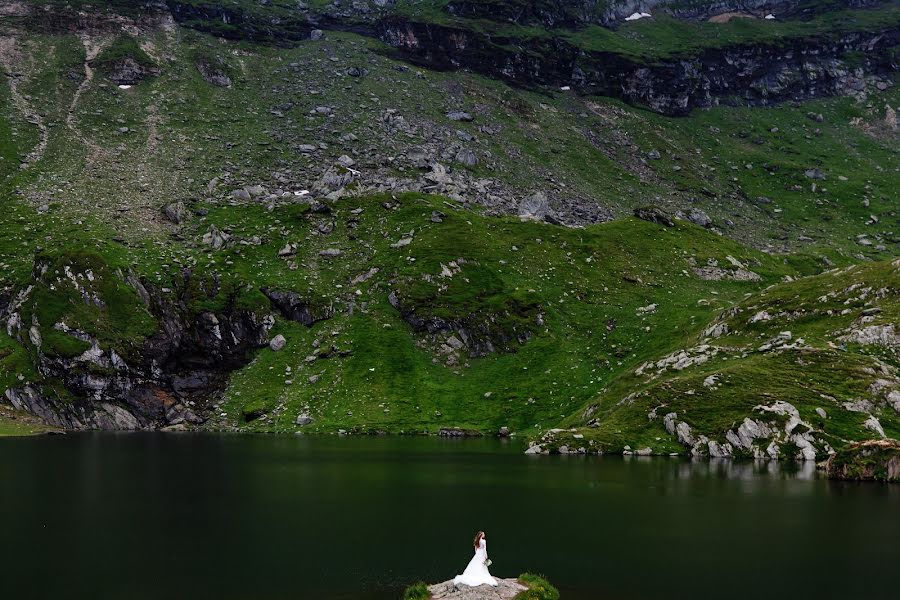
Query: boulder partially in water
{"x": 873, "y": 460}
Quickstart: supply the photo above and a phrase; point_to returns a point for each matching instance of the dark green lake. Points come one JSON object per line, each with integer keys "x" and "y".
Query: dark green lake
{"x": 237, "y": 517}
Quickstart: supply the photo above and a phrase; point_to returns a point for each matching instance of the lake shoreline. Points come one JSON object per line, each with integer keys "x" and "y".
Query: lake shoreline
{"x": 502, "y": 442}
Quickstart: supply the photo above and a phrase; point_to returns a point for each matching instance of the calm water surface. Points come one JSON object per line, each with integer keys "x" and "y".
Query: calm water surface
{"x": 238, "y": 517}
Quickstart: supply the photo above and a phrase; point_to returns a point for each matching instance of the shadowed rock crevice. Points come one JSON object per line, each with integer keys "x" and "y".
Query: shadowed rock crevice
{"x": 295, "y": 307}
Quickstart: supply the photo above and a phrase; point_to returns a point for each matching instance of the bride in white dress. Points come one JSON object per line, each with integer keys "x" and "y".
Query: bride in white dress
{"x": 477, "y": 572}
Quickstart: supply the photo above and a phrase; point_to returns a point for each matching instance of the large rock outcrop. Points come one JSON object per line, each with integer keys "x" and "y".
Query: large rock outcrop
{"x": 507, "y": 589}
{"x": 752, "y": 73}
{"x": 128, "y": 355}
{"x": 793, "y": 67}
{"x": 796, "y": 66}
{"x": 873, "y": 460}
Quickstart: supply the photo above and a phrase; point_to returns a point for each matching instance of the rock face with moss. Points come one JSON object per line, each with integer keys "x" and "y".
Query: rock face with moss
{"x": 128, "y": 355}
{"x": 873, "y": 460}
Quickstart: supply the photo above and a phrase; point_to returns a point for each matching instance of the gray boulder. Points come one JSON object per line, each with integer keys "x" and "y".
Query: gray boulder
{"x": 175, "y": 212}
{"x": 698, "y": 217}
{"x": 241, "y": 194}
{"x": 654, "y": 215}
{"x": 215, "y": 238}
{"x": 467, "y": 158}
{"x": 278, "y": 342}
{"x": 534, "y": 207}
{"x": 459, "y": 115}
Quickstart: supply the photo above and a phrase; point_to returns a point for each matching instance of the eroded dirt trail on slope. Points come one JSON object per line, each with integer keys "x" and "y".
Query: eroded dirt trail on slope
{"x": 92, "y": 49}
{"x": 12, "y": 62}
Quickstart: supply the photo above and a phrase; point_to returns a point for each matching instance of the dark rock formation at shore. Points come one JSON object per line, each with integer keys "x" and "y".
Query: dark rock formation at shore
{"x": 872, "y": 460}
{"x": 160, "y": 380}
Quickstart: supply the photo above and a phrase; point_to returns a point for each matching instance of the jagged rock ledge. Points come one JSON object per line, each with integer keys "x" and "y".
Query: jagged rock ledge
{"x": 506, "y": 590}
{"x": 872, "y": 460}
{"x": 526, "y": 585}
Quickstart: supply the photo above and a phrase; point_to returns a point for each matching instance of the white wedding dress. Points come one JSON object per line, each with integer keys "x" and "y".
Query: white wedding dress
{"x": 477, "y": 572}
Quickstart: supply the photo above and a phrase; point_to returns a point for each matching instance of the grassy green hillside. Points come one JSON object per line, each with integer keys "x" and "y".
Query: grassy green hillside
{"x": 573, "y": 293}
{"x": 827, "y": 345}
{"x": 332, "y": 171}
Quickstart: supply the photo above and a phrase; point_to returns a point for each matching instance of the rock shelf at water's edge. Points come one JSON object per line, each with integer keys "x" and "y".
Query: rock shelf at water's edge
{"x": 525, "y": 586}
{"x": 507, "y": 589}
{"x": 873, "y": 460}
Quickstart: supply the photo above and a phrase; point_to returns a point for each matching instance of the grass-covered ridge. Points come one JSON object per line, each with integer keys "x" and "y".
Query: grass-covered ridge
{"x": 668, "y": 37}
{"x": 78, "y": 297}
{"x": 372, "y": 370}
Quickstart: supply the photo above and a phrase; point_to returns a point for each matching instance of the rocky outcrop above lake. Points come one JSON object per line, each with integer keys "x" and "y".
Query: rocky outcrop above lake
{"x": 873, "y": 460}
{"x": 110, "y": 380}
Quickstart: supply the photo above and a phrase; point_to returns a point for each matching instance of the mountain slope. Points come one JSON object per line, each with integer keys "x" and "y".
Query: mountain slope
{"x": 438, "y": 250}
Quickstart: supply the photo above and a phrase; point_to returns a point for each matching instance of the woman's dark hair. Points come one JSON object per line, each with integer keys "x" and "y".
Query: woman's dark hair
{"x": 477, "y": 541}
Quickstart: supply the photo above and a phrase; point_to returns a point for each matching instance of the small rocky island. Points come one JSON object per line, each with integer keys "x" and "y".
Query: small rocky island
{"x": 872, "y": 460}
{"x": 525, "y": 587}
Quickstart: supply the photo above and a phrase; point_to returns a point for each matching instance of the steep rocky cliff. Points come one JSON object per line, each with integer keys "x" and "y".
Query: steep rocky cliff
{"x": 754, "y": 74}
{"x": 535, "y": 43}
{"x": 114, "y": 352}
{"x": 498, "y": 39}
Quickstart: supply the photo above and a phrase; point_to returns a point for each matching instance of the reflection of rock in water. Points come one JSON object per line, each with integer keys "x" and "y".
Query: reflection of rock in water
{"x": 744, "y": 470}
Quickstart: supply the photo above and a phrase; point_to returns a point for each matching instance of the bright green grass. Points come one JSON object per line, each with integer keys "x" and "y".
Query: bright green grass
{"x": 538, "y": 588}
{"x": 417, "y": 591}
{"x": 123, "y": 47}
